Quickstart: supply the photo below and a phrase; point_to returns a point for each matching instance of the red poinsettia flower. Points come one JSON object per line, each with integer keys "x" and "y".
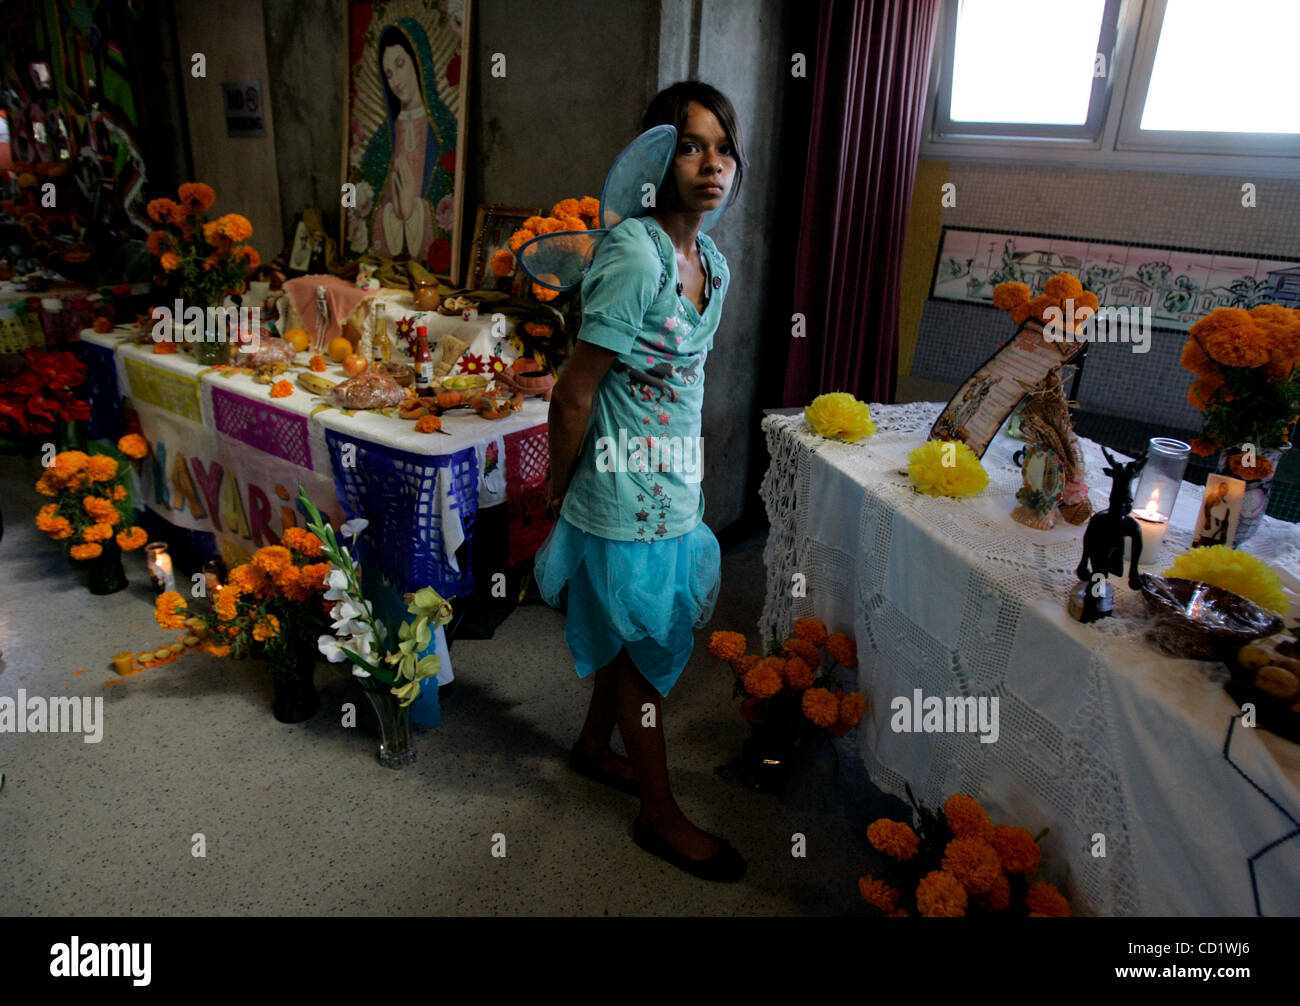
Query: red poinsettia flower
{"x": 57, "y": 368}
{"x": 470, "y": 363}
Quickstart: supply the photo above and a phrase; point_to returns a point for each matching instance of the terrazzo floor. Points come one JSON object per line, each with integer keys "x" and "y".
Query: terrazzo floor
{"x": 301, "y": 819}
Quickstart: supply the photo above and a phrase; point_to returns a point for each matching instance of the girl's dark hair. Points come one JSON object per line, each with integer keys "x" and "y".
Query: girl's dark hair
{"x": 668, "y": 107}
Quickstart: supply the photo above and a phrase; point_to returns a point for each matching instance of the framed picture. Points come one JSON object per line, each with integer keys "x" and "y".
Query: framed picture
{"x": 1216, "y": 521}
{"x": 404, "y": 145}
{"x": 492, "y": 230}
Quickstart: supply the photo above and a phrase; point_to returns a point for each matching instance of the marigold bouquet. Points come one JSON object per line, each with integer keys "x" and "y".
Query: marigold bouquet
{"x": 92, "y": 504}
{"x": 1017, "y": 300}
{"x": 39, "y": 394}
{"x": 274, "y": 600}
{"x": 1247, "y": 384}
{"x": 386, "y": 656}
{"x": 957, "y": 863}
{"x": 795, "y": 689}
{"x": 566, "y": 215}
{"x": 205, "y": 258}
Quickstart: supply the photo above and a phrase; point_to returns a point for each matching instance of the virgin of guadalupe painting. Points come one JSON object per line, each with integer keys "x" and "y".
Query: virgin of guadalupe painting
{"x": 406, "y": 110}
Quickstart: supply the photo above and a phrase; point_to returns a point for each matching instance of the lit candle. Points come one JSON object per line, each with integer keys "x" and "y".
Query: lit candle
{"x": 1152, "y": 523}
{"x": 160, "y": 567}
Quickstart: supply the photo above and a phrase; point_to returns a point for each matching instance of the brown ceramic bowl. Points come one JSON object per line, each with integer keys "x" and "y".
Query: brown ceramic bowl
{"x": 1200, "y": 621}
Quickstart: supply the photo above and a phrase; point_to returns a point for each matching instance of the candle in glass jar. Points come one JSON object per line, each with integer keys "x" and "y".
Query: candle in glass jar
{"x": 1152, "y": 524}
{"x": 160, "y": 567}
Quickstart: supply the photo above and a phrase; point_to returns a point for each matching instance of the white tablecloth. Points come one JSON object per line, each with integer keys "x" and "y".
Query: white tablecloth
{"x": 1100, "y": 733}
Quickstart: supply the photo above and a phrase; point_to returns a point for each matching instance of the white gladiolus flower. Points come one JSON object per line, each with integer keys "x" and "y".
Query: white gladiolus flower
{"x": 352, "y": 528}
{"x": 331, "y": 649}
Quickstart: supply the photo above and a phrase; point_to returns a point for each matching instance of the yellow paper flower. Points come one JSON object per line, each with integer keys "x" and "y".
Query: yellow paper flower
{"x": 1234, "y": 570}
{"x": 946, "y": 468}
{"x": 840, "y": 416}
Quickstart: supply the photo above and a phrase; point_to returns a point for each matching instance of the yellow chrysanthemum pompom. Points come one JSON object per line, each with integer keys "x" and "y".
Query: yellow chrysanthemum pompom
{"x": 946, "y": 468}
{"x": 1234, "y": 570}
{"x": 840, "y": 416}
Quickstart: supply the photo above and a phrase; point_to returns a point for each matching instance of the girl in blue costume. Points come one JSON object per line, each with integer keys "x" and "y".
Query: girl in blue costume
{"x": 640, "y": 566}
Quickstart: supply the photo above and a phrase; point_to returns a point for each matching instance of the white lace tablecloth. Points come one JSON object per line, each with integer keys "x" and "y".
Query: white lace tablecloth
{"x": 1100, "y": 734}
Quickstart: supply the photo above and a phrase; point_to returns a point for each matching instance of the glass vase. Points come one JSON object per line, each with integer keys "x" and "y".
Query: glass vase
{"x": 104, "y": 573}
{"x": 395, "y": 748}
{"x": 1254, "y": 503}
{"x": 292, "y": 669}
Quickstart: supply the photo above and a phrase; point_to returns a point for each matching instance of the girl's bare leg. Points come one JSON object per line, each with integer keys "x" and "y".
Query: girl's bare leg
{"x": 598, "y": 730}
{"x": 649, "y": 755}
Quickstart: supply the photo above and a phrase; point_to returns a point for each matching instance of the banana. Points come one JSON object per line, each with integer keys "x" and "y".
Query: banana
{"x": 462, "y": 381}
{"x": 316, "y": 385}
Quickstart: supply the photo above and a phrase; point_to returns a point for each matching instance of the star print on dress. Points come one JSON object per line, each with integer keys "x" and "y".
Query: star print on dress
{"x": 670, "y": 323}
{"x": 663, "y": 419}
{"x": 661, "y": 530}
{"x": 643, "y": 515}
{"x": 656, "y": 489}
{"x": 640, "y": 497}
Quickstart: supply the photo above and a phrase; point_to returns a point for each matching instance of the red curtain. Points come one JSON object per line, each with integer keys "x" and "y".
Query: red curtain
{"x": 870, "y": 77}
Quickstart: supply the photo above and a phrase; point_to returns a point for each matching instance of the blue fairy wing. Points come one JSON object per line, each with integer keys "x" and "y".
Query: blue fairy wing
{"x": 558, "y": 261}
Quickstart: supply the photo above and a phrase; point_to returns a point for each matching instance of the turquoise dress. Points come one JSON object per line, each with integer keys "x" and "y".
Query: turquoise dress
{"x": 641, "y": 567}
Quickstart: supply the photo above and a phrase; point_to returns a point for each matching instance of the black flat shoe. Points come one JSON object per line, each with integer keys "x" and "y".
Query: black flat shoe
{"x": 724, "y": 866}
{"x": 585, "y": 766}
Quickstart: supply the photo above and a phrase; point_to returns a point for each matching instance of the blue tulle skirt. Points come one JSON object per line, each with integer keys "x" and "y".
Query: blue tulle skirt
{"x": 647, "y": 597}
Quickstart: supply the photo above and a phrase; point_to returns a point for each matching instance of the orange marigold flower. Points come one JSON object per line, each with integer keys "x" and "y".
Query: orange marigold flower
{"x": 1262, "y": 468}
{"x": 1281, "y": 329}
{"x": 159, "y": 210}
{"x": 543, "y": 225}
{"x": 1043, "y": 899}
{"x": 1195, "y": 359}
{"x": 1039, "y": 305}
{"x": 974, "y": 864}
{"x": 235, "y": 227}
{"x": 312, "y": 576}
{"x": 543, "y": 293}
{"x": 196, "y": 196}
{"x": 804, "y": 650}
{"x": 428, "y": 424}
{"x": 158, "y": 242}
{"x": 798, "y": 675}
{"x": 69, "y": 463}
{"x": 588, "y": 206}
{"x": 281, "y": 389}
{"x": 520, "y": 238}
{"x": 533, "y": 224}
{"x": 998, "y": 897}
{"x": 169, "y": 261}
{"x": 762, "y": 682}
{"x": 101, "y": 468}
{"x": 852, "y": 708}
{"x": 318, "y": 363}
{"x": 746, "y": 663}
{"x": 272, "y": 558}
{"x": 1009, "y": 295}
{"x": 216, "y": 649}
{"x": 538, "y": 329}
{"x": 225, "y": 604}
{"x": 102, "y": 325}
{"x": 727, "y": 645}
{"x": 940, "y": 896}
{"x": 131, "y": 539}
{"x": 967, "y": 818}
{"x": 164, "y": 348}
{"x": 1020, "y": 313}
{"x": 302, "y": 541}
{"x": 820, "y": 706}
{"x": 811, "y": 629}
{"x": 118, "y": 494}
{"x": 49, "y": 484}
{"x": 1202, "y": 447}
{"x": 266, "y": 628}
{"x": 133, "y": 446}
{"x": 503, "y": 263}
{"x": 1016, "y": 849}
{"x": 1231, "y": 338}
{"x": 167, "y": 610}
{"x": 61, "y": 528}
{"x": 86, "y": 551}
{"x": 893, "y": 838}
{"x": 249, "y": 254}
{"x": 572, "y": 223}
{"x": 97, "y": 532}
{"x": 878, "y": 894}
{"x": 1063, "y": 286}
{"x": 843, "y": 649}
{"x": 566, "y": 208}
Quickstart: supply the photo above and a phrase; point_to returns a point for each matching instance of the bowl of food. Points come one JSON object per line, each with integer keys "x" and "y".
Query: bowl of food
{"x": 1192, "y": 619}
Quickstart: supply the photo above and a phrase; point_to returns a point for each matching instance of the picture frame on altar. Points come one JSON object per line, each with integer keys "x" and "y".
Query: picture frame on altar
{"x": 492, "y": 229}
{"x": 985, "y": 399}
{"x": 407, "y": 72}
{"x": 1220, "y": 509}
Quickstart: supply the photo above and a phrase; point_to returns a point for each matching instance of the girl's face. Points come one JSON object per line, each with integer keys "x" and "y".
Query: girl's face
{"x": 705, "y": 165}
{"x": 399, "y": 71}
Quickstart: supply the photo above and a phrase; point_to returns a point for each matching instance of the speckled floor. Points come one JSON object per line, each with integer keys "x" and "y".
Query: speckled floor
{"x": 302, "y": 820}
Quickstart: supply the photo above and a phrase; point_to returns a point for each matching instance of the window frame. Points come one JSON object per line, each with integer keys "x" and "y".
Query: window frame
{"x": 1121, "y": 145}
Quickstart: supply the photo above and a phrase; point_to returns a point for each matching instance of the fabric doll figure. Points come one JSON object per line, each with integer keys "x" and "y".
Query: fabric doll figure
{"x": 640, "y": 567}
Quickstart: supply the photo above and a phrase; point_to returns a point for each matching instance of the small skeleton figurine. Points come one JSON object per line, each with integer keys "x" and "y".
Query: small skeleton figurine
{"x": 1103, "y": 545}
{"x": 322, "y": 315}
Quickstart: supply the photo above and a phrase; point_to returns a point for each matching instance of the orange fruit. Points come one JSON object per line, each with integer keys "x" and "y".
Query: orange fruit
{"x": 298, "y": 337}
{"x": 339, "y": 347}
{"x": 354, "y": 365}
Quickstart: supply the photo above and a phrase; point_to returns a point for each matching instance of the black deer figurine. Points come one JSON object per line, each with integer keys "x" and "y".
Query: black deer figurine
{"x": 1103, "y": 541}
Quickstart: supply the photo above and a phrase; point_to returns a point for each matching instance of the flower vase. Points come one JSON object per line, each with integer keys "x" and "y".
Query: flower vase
{"x": 104, "y": 572}
{"x": 1254, "y": 503}
{"x": 205, "y": 347}
{"x": 395, "y": 748}
{"x": 292, "y": 669}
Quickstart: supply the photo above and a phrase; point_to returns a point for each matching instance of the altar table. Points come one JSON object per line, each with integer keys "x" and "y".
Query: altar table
{"x": 1109, "y": 743}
